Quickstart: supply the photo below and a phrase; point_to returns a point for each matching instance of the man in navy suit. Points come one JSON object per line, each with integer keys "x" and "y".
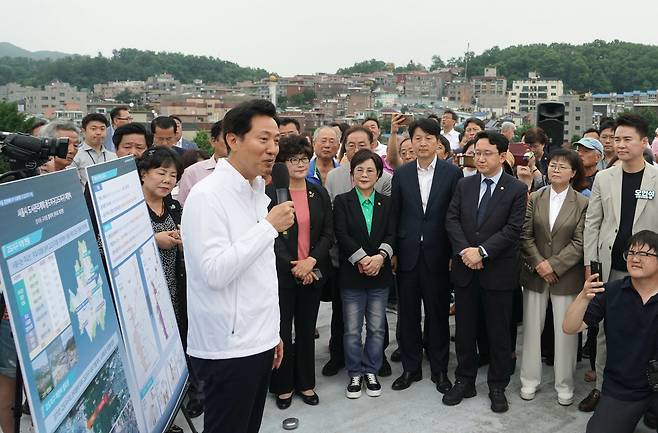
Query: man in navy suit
{"x": 484, "y": 224}
{"x": 182, "y": 142}
{"x": 421, "y": 193}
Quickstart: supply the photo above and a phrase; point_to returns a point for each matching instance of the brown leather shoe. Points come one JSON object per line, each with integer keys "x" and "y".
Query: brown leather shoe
{"x": 590, "y": 402}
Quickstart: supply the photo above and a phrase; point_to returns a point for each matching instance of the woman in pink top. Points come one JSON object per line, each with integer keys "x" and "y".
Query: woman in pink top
{"x": 302, "y": 262}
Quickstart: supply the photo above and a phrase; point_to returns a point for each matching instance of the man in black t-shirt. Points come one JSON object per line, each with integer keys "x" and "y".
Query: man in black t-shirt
{"x": 629, "y": 308}
{"x": 623, "y": 202}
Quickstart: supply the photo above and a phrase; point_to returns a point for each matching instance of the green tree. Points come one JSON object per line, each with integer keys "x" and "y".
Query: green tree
{"x": 437, "y": 63}
{"x": 520, "y": 131}
{"x": 126, "y": 97}
{"x": 304, "y": 99}
{"x": 365, "y": 67}
{"x": 202, "y": 139}
{"x": 282, "y": 102}
{"x": 12, "y": 121}
{"x": 411, "y": 67}
{"x": 651, "y": 117}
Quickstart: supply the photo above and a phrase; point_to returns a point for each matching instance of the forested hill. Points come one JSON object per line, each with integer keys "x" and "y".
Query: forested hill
{"x": 598, "y": 66}
{"x": 125, "y": 64}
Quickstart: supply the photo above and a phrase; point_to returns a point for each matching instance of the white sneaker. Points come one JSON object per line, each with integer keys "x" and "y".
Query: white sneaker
{"x": 528, "y": 393}
{"x": 565, "y": 399}
{"x": 354, "y": 387}
{"x": 373, "y": 388}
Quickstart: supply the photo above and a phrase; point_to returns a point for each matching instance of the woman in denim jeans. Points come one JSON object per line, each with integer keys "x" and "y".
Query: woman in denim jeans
{"x": 365, "y": 231}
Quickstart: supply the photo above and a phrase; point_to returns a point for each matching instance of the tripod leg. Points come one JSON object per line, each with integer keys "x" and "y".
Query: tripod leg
{"x": 188, "y": 418}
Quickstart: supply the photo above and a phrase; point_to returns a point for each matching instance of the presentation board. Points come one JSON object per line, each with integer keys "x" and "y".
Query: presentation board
{"x": 63, "y": 319}
{"x": 143, "y": 302}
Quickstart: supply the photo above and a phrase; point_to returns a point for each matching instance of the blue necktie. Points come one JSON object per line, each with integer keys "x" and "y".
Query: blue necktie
{"x": 484, "y": 202}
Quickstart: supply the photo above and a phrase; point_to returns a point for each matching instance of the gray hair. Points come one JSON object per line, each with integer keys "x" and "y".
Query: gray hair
{"x": 50, "y": 130}
{"x": 507, "y": 126}
{"x": 317, "y": 132}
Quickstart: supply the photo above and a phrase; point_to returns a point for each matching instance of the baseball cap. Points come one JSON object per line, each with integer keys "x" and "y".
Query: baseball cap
{"x": 590, "y": 143}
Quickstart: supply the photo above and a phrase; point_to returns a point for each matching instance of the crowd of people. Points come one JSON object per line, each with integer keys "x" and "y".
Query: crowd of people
{"x": 562, "y": 239}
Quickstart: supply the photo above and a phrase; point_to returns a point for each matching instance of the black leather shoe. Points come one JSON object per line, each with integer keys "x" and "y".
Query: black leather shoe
{"x": 396, "y": 356}
{"x": 331, "y": 368}
{"x": 442, "y": 381}
{"x": 498, "y": 400}
{"x": 589, "y": 403}
{"x": 385, "y": 369}
{"x": 194, "y": 408}
{"x": 312, "y": 400}
{"x": 460, "y": 390}
{"x": 283, "y": 403}
{"x": 405, "y": 381}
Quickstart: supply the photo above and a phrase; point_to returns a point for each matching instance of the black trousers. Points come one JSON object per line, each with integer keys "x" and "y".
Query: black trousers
{"x": 299, "y": 306}
{"x": 336, "y": 349}
{"x": 497, "y": 316}
{"x": 617, "y": 416}
{"x": 234, "y": 392}
{"x": 433, "y": 288}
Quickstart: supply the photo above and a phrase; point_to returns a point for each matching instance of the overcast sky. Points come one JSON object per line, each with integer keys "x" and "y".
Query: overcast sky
{"x": 308, "y": 36}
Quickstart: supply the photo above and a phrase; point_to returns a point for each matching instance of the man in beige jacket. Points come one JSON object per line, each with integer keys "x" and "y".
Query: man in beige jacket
{"x": 623, "y": 202}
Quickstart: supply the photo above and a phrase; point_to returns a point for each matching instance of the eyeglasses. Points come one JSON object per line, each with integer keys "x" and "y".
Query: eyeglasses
{"x": 295, "y": 160}
{"x": 124, "y": 118}
{"x": 368, "y": 171}
{"x": 640, "y": 254}
{"x": 486, "y": 154}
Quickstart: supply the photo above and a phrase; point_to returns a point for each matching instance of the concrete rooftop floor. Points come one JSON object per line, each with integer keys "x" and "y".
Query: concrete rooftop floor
{"x": 418, "y": 409}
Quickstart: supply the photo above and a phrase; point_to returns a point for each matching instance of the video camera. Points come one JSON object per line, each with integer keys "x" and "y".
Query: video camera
{"x": 26, "y": 153}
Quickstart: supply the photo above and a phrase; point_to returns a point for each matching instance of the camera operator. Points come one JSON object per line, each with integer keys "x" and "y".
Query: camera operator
{"x": 629, "y": 308}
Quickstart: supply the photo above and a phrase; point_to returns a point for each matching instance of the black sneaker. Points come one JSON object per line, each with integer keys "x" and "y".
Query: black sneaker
{"x": 354, "y": 387}
{"x": 373, "y": 388}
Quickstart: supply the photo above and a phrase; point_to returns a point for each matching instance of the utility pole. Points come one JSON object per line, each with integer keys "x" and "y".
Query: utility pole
{"x": 468, "y": 48}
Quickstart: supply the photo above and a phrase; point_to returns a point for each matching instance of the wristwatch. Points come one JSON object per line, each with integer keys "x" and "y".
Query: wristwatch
{"x": 481, "y": 251}
{"x": 384, "y": 254}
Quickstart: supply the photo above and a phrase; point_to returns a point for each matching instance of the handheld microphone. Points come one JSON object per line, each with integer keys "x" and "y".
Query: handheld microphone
{"x": 281, "y": 184}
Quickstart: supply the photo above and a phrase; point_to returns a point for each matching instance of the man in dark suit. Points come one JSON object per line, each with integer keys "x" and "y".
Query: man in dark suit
{"x": 484, "y": 224}
{"x": 164, "y": 130}
{"x": 421, "y": 193}
{"x": 181, "y": 142}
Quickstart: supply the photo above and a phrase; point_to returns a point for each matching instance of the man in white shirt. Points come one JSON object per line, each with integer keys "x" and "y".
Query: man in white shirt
{"x": 380, "y": 149}
{"x": 448, "y": 121}
{"x": 232, "y": 292}
{"x": 92, "y": 151}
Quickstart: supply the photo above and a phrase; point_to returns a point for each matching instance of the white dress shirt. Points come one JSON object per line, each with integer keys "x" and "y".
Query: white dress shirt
{"x": 425, "y": 177}
{"x": 556, "y": 202}
{"x": 453, "y": 138}
{"x": 232, "y": 289}
{"x": 483, "y": 185}
{"x": 483, "y": 188}
{"x": 380, "y": 149}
